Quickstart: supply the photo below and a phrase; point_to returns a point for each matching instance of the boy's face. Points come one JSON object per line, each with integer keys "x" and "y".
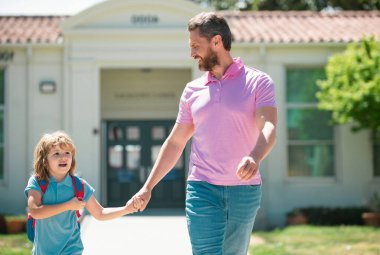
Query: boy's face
{"x": 59, "y": 161}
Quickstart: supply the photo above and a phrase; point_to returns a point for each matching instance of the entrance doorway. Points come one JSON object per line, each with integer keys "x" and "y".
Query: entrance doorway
{"x": 132, "y": 148}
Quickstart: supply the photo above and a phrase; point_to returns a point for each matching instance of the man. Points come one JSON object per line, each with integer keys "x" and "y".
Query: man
{"x": 231, "y": 115}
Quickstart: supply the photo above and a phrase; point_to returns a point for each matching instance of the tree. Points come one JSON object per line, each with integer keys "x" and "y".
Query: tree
{"x": 285, "y": 5}
{"x": 355, "y": 4}
{"x": 317, "y": 5}
{"x": 351, "y": 89}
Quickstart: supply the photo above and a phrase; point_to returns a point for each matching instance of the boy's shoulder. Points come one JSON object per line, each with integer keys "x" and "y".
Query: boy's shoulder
{"x": 33, "y": 181}
{"x": 32, "y": 177}
{"x": 79, "y": 180}
{"x": 34, "y": 184}
{"x": 76, "y": 177}
{"x": 88, "y": 190}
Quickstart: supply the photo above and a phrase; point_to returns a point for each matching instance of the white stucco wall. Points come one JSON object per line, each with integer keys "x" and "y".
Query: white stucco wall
{"x": 15, "y": 140}
{"x": 29, "y": 114}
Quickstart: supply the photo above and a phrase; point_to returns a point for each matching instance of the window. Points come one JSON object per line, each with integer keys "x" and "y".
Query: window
{"x": 310, "y": 137}
{"x": 376, "y": 154}
{"x": 1, "y": 124}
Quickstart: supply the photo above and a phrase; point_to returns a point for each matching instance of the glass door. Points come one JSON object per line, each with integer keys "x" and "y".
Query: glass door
{"x": 132, "y": 148}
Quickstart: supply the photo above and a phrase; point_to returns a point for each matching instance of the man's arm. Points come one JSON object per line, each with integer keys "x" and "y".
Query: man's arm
{"x": 266, "y": 119}
{"x": 168, "y": 156}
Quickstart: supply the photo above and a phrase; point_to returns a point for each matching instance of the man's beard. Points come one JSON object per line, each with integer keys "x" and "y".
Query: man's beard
{"x": 209, "y": 61}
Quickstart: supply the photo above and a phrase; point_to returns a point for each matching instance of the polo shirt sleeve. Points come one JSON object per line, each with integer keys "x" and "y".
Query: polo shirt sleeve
{"x": 265, "y": 93}
{"x": 32, "y": 184}
{"x": 184, "y": 114}
{"x": 88, "y": 191}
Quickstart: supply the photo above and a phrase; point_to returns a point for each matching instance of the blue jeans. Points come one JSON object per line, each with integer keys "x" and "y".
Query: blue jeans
{"x": 220, "y": 218}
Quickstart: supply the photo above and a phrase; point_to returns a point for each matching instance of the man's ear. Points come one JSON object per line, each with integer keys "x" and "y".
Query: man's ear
{"x": 217, "y": 39}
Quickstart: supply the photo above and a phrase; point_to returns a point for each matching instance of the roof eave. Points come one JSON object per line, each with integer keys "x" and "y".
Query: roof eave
{"x": 291, "y": 44}
{"x": 34, "y": 45}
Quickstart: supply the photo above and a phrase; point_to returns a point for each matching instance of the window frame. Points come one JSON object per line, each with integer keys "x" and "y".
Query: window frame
{"x": 3, "y": 109}
{"x": 375, "y": 142}
{"x": 308, "y": 105}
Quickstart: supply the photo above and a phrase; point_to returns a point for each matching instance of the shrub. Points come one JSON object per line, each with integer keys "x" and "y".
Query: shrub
{"x": 326, "y": 216}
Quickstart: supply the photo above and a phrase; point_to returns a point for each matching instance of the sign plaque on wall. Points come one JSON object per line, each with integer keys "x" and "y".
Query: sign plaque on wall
{"x": 143, "y": 19}
{"x": 144, "y": 95}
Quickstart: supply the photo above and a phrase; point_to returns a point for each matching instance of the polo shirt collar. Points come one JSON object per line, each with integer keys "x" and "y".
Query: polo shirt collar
{"x": 232, "y": 70}
{"x": 66, "y": 181}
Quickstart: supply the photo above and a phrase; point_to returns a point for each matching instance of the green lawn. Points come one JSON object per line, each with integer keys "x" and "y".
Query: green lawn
{"x": 317, "y": 240}
{"x": 300, "y": 240}
{"x": 17, "y": 244}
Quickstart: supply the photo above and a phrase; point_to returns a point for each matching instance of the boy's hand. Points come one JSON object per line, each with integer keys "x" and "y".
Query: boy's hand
{"x": 133, "y": 205}
{"x": 76, "y": 204}
{"x": 138, "y": 202}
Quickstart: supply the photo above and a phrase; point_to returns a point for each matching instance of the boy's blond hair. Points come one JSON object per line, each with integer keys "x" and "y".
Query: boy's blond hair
{"x": 43, "y": 148}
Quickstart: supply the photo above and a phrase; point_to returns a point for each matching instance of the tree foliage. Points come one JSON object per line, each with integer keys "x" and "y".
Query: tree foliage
{"x": 318, "y": 5}
{"x": 351, "y": 89}
{"x": 285, "y": 5}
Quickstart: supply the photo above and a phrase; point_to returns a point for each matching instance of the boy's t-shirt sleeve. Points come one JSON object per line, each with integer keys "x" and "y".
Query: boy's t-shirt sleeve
{"x": 32, "y": 184}
{"x": 88, "y": 191}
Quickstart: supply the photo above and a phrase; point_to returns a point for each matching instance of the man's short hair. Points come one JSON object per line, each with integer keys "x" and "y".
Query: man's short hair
{"x": 210, "y": 24}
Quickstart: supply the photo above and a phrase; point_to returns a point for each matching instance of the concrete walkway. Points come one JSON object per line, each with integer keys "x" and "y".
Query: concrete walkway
{"x": 149, "y": 233}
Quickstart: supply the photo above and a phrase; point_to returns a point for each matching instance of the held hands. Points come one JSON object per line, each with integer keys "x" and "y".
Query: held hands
{"x": 133, "y": 204}
{"x": 247, "y": 168}
{"x": 143, "y": 197}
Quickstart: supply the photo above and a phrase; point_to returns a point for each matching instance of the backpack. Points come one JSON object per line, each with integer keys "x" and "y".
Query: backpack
{"x": 78, "y": 185}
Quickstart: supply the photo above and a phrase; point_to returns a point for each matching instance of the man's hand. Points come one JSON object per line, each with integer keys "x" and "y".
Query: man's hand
{"x": 142, "y": 198}
{"x": 247, "y": 168}
{"x": 133, "y": 205}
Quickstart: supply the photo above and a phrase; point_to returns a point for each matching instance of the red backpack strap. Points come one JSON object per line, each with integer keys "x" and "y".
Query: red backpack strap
{"x": 43, "y": 184}
{"x": 78, "y": 185}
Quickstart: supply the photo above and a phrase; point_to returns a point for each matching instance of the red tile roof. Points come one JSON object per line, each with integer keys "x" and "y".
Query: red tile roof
{"x": 302, "y": 26}
{"x": 30, "y": 29}
{"x": 251, "y": 26}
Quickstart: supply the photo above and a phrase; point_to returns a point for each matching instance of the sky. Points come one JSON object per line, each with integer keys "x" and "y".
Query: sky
{"x": 45, "y": 7}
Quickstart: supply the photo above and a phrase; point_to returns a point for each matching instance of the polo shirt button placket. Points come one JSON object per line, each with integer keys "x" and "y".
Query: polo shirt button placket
{"x": 218, "y": 91}
{"x": 57, "y": 194}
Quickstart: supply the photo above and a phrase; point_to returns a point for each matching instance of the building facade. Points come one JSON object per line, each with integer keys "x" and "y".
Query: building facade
{"x": 112, "y": 77}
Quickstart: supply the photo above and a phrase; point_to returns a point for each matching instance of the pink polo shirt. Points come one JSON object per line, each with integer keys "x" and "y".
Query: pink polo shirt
{"x": 222, "y": 112}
